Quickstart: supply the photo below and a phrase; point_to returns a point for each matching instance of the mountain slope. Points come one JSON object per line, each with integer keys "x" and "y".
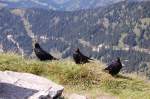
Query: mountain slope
{"x": 87, "y": 79}
{"x": 103, "y": 33}
{"x": 63, "y": 5}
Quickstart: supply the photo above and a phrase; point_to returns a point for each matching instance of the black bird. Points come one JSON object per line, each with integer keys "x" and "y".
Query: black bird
{"x": 115, "y": 67}
{"x": 41, "y": 54}
{"x": 79, "y": 58}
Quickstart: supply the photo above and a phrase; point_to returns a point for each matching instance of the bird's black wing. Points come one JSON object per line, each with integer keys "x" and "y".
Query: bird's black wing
{"x": 42, "y": 55}
{"x": 85, "y": 57}
{"x": 49, "y": 56}
{"x": 111, "y": 65}
{"x": 76, "y": 58}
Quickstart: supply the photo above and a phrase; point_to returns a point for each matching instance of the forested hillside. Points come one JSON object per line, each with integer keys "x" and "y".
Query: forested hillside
{"x": 61, "y": 5}
{"x": 120, "y": 30}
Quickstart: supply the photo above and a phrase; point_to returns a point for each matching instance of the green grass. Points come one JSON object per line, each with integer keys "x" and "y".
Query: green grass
{"x": 88, "y": 79}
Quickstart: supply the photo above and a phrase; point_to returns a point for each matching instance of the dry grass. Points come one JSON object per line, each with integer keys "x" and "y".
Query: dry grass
{"x": 87, "y": 79}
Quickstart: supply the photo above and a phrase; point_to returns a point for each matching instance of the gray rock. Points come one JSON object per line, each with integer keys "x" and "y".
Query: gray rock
{"x": 14, "y": 85}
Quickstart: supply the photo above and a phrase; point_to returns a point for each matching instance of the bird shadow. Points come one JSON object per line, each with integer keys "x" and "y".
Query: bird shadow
{"x": 123, "y": 77}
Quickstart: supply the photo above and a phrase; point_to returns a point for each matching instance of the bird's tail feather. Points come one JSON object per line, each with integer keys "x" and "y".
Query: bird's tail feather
{"x": 55, "y": 58}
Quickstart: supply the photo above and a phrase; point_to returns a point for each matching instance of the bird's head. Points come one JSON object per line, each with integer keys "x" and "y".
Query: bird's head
{"x": 118, "y": 59}
{"x": 37, "y": 45}
{"x": 77, "y": 50}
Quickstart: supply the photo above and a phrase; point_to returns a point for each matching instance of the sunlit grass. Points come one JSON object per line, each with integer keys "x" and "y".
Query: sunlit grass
{"x": 88, "y": 79}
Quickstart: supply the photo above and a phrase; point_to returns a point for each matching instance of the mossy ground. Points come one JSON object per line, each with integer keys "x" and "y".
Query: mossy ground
{"x": 87, "y": 79}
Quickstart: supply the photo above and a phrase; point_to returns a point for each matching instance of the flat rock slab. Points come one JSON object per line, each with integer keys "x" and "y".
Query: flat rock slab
{"x": 14, "y": 85}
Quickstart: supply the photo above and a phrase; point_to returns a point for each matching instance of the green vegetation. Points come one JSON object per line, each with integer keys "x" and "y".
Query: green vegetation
{"x": 88, "y": 79}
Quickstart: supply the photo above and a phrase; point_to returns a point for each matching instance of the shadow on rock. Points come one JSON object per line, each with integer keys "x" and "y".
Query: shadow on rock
{"x": 9, "y": 91}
